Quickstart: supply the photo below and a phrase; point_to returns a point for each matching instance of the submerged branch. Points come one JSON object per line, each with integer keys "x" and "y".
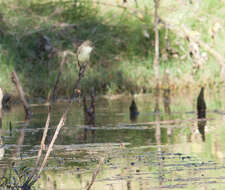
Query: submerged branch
{"x": 175, "y": 121}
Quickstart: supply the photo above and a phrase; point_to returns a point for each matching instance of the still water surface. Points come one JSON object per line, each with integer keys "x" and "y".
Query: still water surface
{"x": 164, "y": 148}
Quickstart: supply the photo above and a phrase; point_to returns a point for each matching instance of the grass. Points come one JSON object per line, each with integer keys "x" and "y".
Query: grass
{"x": 123, "y": 57}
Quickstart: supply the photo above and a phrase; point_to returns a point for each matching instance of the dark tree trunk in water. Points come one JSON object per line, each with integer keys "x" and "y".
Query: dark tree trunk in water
{"x": 133, "y": 111}
{"x": 201, "y": 106}
{"x": 201, "y": 109}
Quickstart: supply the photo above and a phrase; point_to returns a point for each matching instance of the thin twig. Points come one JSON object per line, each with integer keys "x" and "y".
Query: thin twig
{"x": 96, "y": 173}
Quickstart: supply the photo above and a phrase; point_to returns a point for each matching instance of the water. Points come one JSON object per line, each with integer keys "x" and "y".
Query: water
{"x": 165, "y": 147}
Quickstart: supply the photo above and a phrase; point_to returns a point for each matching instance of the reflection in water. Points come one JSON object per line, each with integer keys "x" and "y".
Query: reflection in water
{"x": 133, "y": 111}
{"x": 128, "y": 185}
{"x": 20, "y": 140}
{"x": 158, "y": 138}
{"x": 201, "y": 128}
{"x": 158, "y": 163}
{"x": 166, "y": 103}
{"x": 201, "y": 109}
{"x": 89, "y": 117}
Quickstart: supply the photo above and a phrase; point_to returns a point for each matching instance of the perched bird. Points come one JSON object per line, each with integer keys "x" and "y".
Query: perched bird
{"x": 133, "y": 111}
{"x": 84, "y": 51}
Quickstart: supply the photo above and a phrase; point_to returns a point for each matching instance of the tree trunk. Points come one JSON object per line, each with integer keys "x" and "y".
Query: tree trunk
{"x": 156, "y": 58}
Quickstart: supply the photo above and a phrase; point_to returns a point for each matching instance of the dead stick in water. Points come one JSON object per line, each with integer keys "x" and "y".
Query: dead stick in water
{"x": 176, "y": 121}
{"x": 42, "y": 145}
{"x": 19, "y": 88}
{"x": 95, "y": 173}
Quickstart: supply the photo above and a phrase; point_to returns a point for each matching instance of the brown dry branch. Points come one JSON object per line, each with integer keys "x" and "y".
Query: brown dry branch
{"x": 50, "y": 148}
{"x": 19, "y": 88}
{"x": 51, "y": 99}
{"x": 96, "y": 173}
{"x": 42, "y": 145}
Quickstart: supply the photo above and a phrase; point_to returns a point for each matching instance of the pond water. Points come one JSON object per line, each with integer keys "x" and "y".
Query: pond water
{"x": 165, "y": 147}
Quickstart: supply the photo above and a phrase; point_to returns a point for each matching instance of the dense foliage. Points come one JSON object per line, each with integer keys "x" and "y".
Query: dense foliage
{"x": 36, "y": 34}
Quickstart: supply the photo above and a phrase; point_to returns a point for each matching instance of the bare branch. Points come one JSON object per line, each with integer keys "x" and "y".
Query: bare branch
{"x": 19, "y": 88}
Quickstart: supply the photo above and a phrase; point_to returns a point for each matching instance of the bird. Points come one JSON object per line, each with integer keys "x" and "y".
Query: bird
{"x": 84, "y": 51}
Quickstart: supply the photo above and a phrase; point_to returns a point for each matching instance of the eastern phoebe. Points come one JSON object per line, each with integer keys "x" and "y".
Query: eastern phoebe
{"x": 84, "y": 51}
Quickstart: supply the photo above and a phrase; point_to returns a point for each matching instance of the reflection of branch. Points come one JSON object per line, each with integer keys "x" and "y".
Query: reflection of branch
{"x": 95, "y": 173}
{"x": 21, "y": 137}
{"x": 158, "y": 134}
